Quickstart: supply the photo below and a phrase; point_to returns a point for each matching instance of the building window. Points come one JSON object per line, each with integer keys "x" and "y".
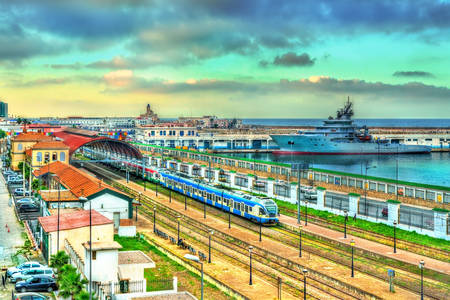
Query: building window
{"x": 39, "y": 156}
{"x": 47, "y": 157}
{"x": 54, "y": 156}
{"x": 94, "y": 255}
{"x": 62, "y": 156}
{"x": 19, "y": 147}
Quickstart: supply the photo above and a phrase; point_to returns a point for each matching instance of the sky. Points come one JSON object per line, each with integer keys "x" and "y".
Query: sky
{"x": 245, "y": 59}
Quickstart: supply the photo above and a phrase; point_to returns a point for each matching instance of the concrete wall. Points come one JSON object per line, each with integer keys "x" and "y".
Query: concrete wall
{"x": 108, "y": 204}
{"x": 104, "y": 266}
{"x": 127, "y": 231}
{"x": 78, "y": 236}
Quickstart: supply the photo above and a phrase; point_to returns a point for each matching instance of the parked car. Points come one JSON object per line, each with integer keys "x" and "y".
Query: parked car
{"x": 28, "y": 207}
{"x": 21, "y": 192}
{"x": 30, "y": 296}
{"x": 24, "y": 275}
{"x": 24, "y": 266}
{"x": 8, "y": 173}
{"x": 25, "y": 200}
{"x": 39, "y": 283}
{"x": 305, "y": 188}
{"x": 14, "y": 180}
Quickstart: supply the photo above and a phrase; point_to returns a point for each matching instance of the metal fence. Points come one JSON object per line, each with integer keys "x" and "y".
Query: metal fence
{"x": 106, "y": 290}
{"x": 336, "y": 201}
{"x": 416, "y": 217}
{"x": 282, "y": 190}
{"x": 160, "y": 285}
{"x": 373, "y": 208}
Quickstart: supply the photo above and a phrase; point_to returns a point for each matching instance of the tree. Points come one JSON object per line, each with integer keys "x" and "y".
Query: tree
{"x": 27, "y": 169}
{"x": 70, "y": 282}
{"x": 58, "y": 260}
{"x": 84, "y": 295}
{"x": 2, "y": 134}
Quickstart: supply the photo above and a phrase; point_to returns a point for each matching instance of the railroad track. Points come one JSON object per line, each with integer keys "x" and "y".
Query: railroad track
{"x": 429, "y": 251}
{"x": 340, "y": 256}
{"x": 290, "y": 269}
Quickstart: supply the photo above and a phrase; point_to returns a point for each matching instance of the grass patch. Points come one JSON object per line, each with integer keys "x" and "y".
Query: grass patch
{"x": 159, "y": 278}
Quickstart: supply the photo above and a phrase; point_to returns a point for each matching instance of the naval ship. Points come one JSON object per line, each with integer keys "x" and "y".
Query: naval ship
{"x": 339, "y": 135}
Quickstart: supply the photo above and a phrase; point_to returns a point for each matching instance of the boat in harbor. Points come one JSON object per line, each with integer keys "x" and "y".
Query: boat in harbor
{"x": 339, "y": 135}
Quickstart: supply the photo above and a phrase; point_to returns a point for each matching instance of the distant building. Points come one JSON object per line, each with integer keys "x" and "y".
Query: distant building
{"x": 3, "y": 109}
{"x": 21, "y": 143}
{"x": 148, "y": 118}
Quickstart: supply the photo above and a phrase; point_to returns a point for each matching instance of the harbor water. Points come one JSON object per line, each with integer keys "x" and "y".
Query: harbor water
{"x": 432, "y": 168}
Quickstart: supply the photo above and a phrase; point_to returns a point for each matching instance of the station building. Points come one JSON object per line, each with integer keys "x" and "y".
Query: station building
{"x": 21, "y": 143}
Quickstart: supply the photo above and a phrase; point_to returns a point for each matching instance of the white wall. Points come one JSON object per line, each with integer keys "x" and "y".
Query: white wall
{"x": 108, "y": 204}
{"x": 104, "y": 267}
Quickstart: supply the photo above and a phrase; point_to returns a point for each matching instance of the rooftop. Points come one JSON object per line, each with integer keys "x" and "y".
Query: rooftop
{"x": 78, "y": 182}
{"x": 133, "y": 257}
{"x": 52, "y": 196}
{"x": 32, "y": 137}
{"x": 103, "y": 246}
{"x": 50, "y": 145}
{"x": 72, "y": 220}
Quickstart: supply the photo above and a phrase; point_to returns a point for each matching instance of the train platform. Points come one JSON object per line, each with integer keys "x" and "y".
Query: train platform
{"x": 381, "y": 249}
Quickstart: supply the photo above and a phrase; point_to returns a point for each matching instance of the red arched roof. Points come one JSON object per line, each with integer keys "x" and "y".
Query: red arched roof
{"x": 77, "y": 140}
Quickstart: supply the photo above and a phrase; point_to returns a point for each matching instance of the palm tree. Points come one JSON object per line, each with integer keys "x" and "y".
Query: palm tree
{"x": 58, "y": 260}
{"x": 70, "y": 282}
{"x": 84, "y": 295}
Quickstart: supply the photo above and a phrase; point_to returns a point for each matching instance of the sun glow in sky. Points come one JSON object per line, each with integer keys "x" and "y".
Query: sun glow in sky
{"x": 253, "y": 58}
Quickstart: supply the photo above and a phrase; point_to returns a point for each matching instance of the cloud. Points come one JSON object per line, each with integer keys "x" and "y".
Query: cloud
{"x": 119, "y": 78}
{"x": 413, "y": 74}
{"x": 291, "y": 59}
{"x": 74, "y": 66}
{"x": 116, "y": 62}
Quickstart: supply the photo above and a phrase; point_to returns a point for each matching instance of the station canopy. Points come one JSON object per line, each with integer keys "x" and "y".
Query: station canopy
{"x": 77, "y": 138}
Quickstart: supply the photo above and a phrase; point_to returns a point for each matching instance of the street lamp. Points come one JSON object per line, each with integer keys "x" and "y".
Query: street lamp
{"x": 83, "y": 200}
{"x": 170, "y": 195}
{"x": 178, "y": 230}
{"x": 250, "y": 248}
{"x": 421, "y": 266}
{"x": 365, "y": 188}
{"x": 395, "y": 237}
{"x": 154, "y": 219}
{"x": 54, "y": 176}
{"x": 185, "y": 202}
{"x": 305, "y": 272}
{"x": 211, "y": 232}
{"x": 300, "y": 241}
{"x": 196, "y": 259}
{"x": 156, "y": 187}
{"x": 345, "y": 223}
{"x": 204, "y": 208}
{"x": 306, "y": 213}
{"x": 229, "y": 217}
{"x": 352, "y": 243}
{"x": 260, "y": 229}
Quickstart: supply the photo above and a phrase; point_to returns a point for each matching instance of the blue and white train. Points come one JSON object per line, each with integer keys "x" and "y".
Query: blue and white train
{"x": 256, "y": 209}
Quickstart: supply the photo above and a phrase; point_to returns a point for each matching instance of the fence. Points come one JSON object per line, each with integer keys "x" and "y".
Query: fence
{"x": 373, "y": 208}
{"x": 74, "y": 257}
{"x": 416, "y": 217}
{"x": 106, "y": 290}
{"x": 160, "y": 285}
{"x": 336, "y": 201}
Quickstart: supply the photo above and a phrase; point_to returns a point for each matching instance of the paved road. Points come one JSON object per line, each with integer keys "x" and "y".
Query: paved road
{"x": 9, "y": 241}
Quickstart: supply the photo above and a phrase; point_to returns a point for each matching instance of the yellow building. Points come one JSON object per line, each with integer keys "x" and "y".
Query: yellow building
{"x": 44, "y": 153}
{"x": 21, "y": 143}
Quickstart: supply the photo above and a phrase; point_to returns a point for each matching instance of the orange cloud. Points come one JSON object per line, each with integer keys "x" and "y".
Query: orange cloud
{"x": 119, "y": 78}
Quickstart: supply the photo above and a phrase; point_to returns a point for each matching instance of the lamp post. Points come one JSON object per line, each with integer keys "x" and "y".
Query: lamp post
{"x": 260, "y": 229}
{"x": 59, "y": 200}
{"x": 154, "y": 219}
{"x": 345, "y": 223}
{"x": 300, "y": 240}
{"x": 305, "y": 272}
{"x": 170, "y": 195}
{"x": 365, "y": 188}
{"x": 229, "y": 217}
{"x": 421, "y": 266}
{"x": 204, "y": 209}
{"x": 250, "y": 248}
{"x": 211, "y": 232}
{"x": 395, "y": 237}
{"x": 352, "y": 243}
{"x": 306, "y": 213}
{"x": 185, "y": 202}
{"x": 196, "y": 259}
{"x": 83, "y": 200}
{"x": 178, "y": 229}
{"x": 156, "y": 187}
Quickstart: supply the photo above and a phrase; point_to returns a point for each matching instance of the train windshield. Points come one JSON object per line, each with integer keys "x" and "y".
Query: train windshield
{"x": 271, "y": 207}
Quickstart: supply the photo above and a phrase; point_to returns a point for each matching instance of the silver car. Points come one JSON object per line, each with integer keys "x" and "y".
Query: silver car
{"x": 24, "y": 275}
{"x": 30, "y": 296}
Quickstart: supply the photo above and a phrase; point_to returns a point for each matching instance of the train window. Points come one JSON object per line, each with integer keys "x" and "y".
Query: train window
{"x": 261, "y": 211}
{"x": 246, "y": 208}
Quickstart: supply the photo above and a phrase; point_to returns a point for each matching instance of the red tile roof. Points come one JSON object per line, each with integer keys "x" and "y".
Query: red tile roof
{"x": 50, "y": 145}
{"x": 73, "y": 220}
{"x": 52, "y": 196}
{"x": 78, "y": 182}
{"x": 32, "y": 137}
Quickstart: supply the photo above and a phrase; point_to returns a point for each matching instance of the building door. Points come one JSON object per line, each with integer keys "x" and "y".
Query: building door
{"x": 116, "y": 218}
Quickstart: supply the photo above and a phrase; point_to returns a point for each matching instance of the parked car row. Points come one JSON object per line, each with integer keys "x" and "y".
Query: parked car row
{"x": 32, "y": 277}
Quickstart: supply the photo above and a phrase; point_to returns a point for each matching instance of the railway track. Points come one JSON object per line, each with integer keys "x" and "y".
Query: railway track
{"x": 287, "y": 270}
{"x": 321, "y": 249}
{"x": 429, "y": 251}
